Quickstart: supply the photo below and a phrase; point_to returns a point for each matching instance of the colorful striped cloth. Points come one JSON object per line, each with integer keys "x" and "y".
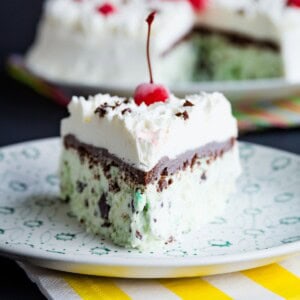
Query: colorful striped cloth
{"x": 273, "y": 282}
{"x": 251, "y": 115}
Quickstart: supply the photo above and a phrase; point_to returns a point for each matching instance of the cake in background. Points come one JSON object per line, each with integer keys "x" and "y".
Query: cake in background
{"x": 248, "y": 39}
{"x": 96, "y": 42}
{"x": 103, "y": 42}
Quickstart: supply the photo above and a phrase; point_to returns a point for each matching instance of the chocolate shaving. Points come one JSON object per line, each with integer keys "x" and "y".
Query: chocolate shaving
{"x": 194, "y": 160}
{"x": 114, "y": 187}
{"x": 184, "y": 115}
{"x": 125, "y": 111}
{"x": 80, "y": 186}
{"x": 188, "y": 103}
{"x": 100, "y": 111}
{"x": 162, "y": 184}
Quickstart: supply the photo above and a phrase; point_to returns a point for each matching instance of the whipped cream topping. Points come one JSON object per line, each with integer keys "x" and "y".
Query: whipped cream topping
{"x": 262, "y": 19}
{"x": 174, "y": 19}
{"x": 142, "y": 135}
{"x": 77, "y": 44}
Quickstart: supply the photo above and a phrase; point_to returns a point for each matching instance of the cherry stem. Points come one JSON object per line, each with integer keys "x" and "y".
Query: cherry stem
{"x": 149, "y": 20}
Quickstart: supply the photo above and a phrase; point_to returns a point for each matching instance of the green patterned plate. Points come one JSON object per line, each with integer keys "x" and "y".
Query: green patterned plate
{"x": 261, "y": 224}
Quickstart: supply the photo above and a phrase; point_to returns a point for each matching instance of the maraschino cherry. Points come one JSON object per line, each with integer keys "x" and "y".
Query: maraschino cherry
{"x": 295, "y": 3}
{"x": 106, "y": 9}
{"x": 150, "y": 93}
{"x": 198, "y": 5}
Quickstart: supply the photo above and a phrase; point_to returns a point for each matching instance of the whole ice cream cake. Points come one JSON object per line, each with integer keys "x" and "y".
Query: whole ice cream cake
{"x": 141, "y": 175}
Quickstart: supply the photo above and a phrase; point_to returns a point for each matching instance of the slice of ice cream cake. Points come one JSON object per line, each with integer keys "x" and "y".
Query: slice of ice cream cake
{"x": 140, "y": 174}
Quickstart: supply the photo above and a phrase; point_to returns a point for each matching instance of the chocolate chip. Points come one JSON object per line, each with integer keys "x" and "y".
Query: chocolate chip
{"x": 188, "y": 103}
{"x": 106, "y": 168}
{"x": 162, "y": 184}
{"x": 203, "y": 176}
{"x": 154, "y": 220}
{"x": 164, "y": 172}
{"x": 97, "y": 177}
{"x": 80, "y": 186}
{"x": 86, "y": 202}
{"x": 114, "y": 187}
{"x": 132, "y": 206}
{"x": 138, "y": 235}
{"x": 106, "y": 224}
{"x": 104, "y": 207}
{"x": 170, "y": 181}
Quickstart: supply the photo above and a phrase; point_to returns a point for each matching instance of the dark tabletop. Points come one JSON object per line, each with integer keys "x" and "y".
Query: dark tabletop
{"x": 25, "y": 115}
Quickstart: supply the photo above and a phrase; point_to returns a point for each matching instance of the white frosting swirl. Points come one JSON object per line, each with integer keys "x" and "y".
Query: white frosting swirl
{"x": 173, "y": 20}
{"x": 146, "y": 134}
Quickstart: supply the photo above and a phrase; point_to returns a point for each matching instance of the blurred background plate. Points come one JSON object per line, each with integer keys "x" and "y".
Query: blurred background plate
{"x": 241, "y": 91}
{"x": 249, "y": 90}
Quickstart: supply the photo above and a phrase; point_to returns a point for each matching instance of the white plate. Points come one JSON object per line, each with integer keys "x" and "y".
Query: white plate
{"x": 261, "y": 224}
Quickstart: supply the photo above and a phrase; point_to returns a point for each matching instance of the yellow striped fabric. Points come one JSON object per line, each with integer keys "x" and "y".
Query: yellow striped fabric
{"x": 95, "y": 288}
{"x": 194, "y": 288}
{"x": 276, "y": 281}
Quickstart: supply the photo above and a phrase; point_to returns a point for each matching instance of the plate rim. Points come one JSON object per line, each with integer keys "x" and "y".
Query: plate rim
{"x": 23, "y": 252}
{"x": 156, "y": 262}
